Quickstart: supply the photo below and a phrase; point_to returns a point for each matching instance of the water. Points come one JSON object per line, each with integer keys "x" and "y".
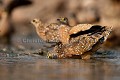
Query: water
{"x": 27, "y": 67}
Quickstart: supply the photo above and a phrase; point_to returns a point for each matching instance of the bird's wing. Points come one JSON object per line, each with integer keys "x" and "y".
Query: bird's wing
{"x": 82, "y": 44}
{"x": 86, "y": 43}
{"x": 80, "y": 27}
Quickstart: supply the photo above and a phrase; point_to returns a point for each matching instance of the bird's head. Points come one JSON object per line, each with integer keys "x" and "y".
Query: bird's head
{"x": 63, "y": 20}
{"x": 36, "y": 22}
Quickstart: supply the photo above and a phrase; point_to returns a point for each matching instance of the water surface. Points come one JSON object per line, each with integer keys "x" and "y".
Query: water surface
{"x": 27, "y": 67}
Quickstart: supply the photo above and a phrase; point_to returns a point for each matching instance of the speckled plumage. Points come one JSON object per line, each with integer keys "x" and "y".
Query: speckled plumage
{"x": 53, "y": 32}
{"x": 79, "y": 41}
{"x": 80, "y": 46}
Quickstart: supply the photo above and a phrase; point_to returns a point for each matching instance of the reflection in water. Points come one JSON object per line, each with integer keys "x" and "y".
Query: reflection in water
{"x": 61, "y": 69}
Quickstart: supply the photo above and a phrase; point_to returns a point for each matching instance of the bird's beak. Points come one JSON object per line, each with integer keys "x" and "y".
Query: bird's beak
{"x": 58, "y": 19}
{"x": 31, "y": 21}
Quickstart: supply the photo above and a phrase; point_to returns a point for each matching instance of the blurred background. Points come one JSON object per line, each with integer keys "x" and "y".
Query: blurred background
{"x": 18, "y": 34}
{"x": 16, "y": 29}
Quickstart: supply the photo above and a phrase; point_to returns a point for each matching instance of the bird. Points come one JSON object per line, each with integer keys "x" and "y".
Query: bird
{"x": 46, "y": 32}
{"x": 64, "y": 29}
{"x": 81, "y": 46}
{"x": 79, "y": 41}
{"x": 54, "y": 32}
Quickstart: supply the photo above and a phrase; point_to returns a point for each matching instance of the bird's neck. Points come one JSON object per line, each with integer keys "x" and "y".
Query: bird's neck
{"x": 67, "y": 24}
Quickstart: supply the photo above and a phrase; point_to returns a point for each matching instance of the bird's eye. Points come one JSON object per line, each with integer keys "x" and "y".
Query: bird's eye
{"x": 34, "y": 21}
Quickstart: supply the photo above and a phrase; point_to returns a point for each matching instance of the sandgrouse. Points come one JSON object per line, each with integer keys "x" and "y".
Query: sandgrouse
{"x": 79, "y": 41}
